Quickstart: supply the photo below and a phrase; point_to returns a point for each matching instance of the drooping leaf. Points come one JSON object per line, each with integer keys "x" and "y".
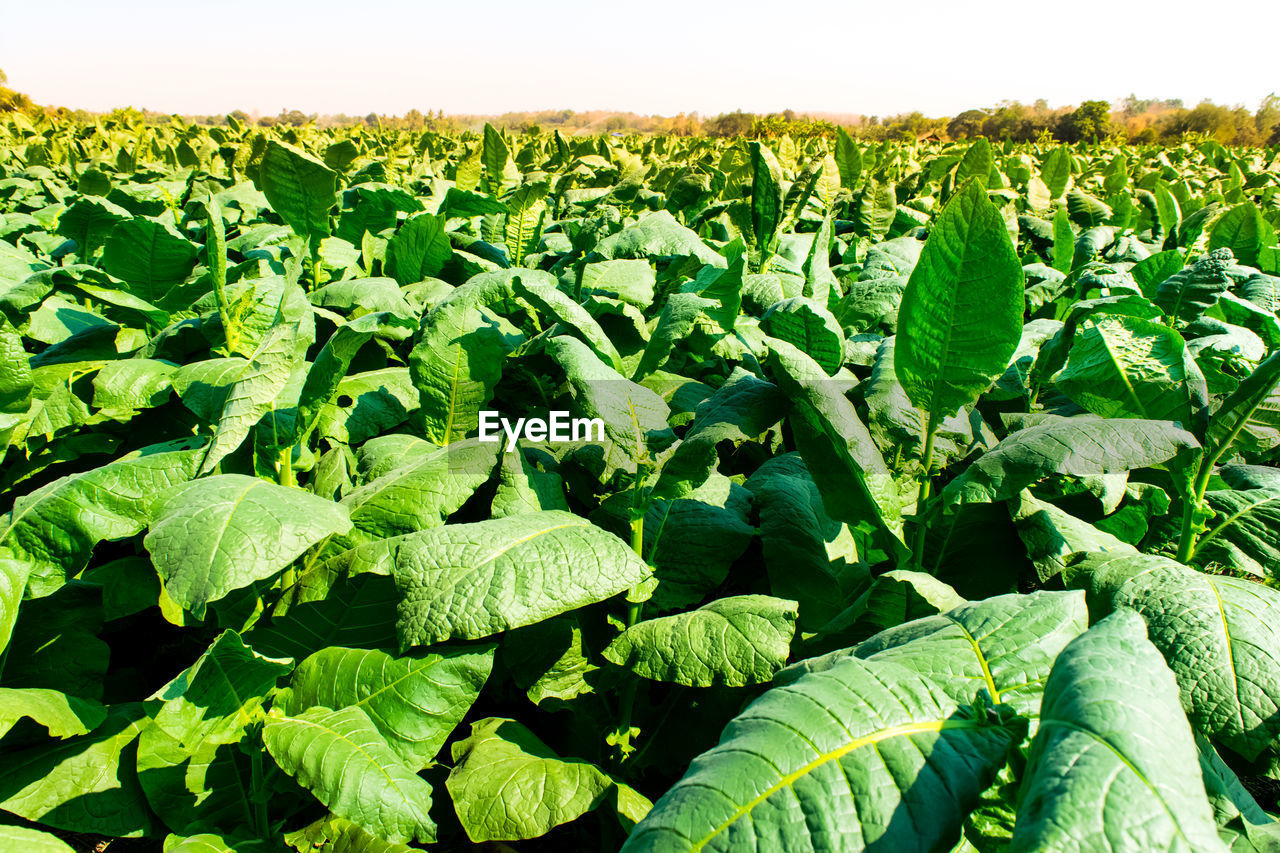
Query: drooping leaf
{"x": 219, "y": 534}
{"x": 468, "y": 581}
{"x": 342, "y": 758}
{"x": 732, "y": 641}
{"x": 1078, "y": 447}
{"x": 1111, "y": 715}
{"x": 415, "y": 701}
{"x": 507, "y": 785}
{"x": 862, "y": 754}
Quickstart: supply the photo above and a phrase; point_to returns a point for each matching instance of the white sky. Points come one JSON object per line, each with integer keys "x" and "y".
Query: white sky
{"x": 655, "y": 56}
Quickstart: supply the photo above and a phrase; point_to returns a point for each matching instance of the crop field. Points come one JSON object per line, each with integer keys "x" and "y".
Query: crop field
{"x": 367, "y": 490}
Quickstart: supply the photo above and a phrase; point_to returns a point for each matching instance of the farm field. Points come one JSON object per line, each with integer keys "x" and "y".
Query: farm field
{"x": 933, "y": 504}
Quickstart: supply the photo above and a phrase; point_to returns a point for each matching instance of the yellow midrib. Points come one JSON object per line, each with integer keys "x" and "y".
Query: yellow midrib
{"x": 857, "y": 743}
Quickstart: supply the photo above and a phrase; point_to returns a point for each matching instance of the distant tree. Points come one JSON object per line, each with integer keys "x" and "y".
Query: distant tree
{"x": 736, "y": 123}
{"x": 294, "y": 118}
{"x": 1267, "y": 117}
{"x": 267, "y": 121}
{"x": 614, "y": 124}
{"x": 11, "y": 101}
{"x": 1089, "y": 122}
{"x": 968, "y": 123}
{"x": 371, "y": 120}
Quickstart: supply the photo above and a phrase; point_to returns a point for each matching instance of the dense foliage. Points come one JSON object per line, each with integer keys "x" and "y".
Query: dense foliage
{"x": 935, "y": 507}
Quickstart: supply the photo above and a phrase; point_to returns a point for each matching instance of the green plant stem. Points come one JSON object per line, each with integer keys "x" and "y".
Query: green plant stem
{"x": 315, "y": 264}
{"x": 284, "y": 468}
{"x": 256, "y": 785}
{"x": 635, "y": 608}
{"x": 1190, "y": 533}
{"x": 926, "y": 490}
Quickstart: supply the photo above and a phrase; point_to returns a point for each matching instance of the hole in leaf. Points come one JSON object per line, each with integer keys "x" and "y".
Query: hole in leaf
{"x": 345, "y": 401}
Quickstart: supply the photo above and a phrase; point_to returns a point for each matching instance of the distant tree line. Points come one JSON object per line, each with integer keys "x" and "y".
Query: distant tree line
{"x": 1133, "y": 119}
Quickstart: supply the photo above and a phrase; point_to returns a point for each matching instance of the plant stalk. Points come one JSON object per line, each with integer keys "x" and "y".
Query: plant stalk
{"x": 926, "y": 490}
{"x": 1190, "y": 533}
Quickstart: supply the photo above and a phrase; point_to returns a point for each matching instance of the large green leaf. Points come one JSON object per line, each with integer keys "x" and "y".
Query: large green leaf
{"x": 961, "y": 315}
{"x": 1218, "y": 634}
{"x": 1003, "y": 645}
{"x": 807, "y": 554}
{"x": 856, "y": 485}
{"x": 1052, "y": 535}
{"x": 189, "y": 761}
{"x": 848, "y": 159}
{"x": 877, "y": 207}
{"x": 1113, "y": 765}
{"x": 299, "y": 187}
{"x": 507, "y": 785}
{"x": 467, "y": 581}
{"x": 1250, "y": 413}
{"x": 455, "y": 363}
{"x": 31, "y": 841}
{"x": 62, "y": 715}
{"x": 419, "y": 250}
{"x": 341, "y": 758}
{"x": 976, "y": 163}
{"x": 1121, "y": 366}
{"x": 49, "y": 534}
{"x": 1055, "y": 171}
{"x": 547, "y": 299}
{"x": 255, "y": 386}
{"x": 732, "y": 641}
{"x": 1077, "y": 447}
{"x": 1245, "y": 533}
{"x": 864, "y": 755}
{"x": 150, "y": 255}
{"x": 82, "y": 784}
{"x": 422, "y": 492}
{"x": 1244, "y": 231}
{"x": 222, "y": 533}
{"x": 526, "y": 213}
{"x": 416, "y": 700}
{"x": 810, "y": 327}
{"x": 635, "y": 418}
{"x": 766, "y": 197}
{"x": 500, "y": 171}
{"x": 692, "y": 541}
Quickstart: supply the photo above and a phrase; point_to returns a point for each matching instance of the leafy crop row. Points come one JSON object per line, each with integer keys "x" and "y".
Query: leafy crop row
{"x": 936, "y": 506}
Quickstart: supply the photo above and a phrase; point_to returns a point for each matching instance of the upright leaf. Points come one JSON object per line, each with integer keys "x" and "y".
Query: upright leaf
{"x": 299, "y": 187}
{"x": 961, "y": 315}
